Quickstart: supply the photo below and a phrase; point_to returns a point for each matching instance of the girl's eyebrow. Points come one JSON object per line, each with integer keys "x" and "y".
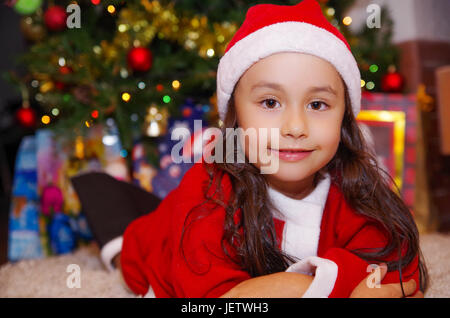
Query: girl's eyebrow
{"x": 313, "y": 89}
{"x": 267, "y": 84}
{"x": 328, "y": 88}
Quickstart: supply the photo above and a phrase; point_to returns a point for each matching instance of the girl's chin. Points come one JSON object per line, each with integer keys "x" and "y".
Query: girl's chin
{"x": 289, "y": 174}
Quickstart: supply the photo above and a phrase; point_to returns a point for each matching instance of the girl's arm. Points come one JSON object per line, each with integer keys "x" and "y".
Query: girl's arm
{"x": 294, "y": 285}
{"x": 277, "y": 285}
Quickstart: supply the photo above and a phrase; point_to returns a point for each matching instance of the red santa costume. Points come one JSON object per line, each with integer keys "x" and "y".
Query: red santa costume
{"x": 321, "y": 230}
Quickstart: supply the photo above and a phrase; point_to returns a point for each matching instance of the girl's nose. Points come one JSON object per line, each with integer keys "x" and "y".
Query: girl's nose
{"x": 294, "y": 123}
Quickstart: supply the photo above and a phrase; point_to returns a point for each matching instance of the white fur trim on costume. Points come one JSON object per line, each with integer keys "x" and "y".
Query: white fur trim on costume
{"x": 109, "y": 250}
{"x": 325, "y": 274}
{"x": 302, "y": 219}
{"x": 289, "y": 36}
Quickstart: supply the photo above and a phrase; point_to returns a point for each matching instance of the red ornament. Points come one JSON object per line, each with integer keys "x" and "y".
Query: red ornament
{"x": 187, "y": 111}
{"x": 140, "y": 59}
{"x": 26, "y": 117}
{"x": 392, "y": 82}
{"x": 65, "y": 70}
{"x": 55, "y": 18}
{"x": 60, "y": 86}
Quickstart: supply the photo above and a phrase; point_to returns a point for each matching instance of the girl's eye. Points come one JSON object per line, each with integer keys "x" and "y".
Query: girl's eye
{"x": 317, "y": 105}
{"x": 269, "y": 103}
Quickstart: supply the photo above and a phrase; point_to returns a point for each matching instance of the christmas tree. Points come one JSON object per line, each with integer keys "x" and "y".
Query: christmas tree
{"x": 138, "y": 61}
{"x": 372, "y": 45}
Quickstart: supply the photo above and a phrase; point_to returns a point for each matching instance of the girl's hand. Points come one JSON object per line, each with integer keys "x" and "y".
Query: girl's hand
{"x": 393, "y": 290}
{"x": 277, "y": 285}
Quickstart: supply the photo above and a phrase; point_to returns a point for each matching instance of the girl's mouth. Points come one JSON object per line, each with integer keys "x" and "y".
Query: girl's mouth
{"x": 291, "y": 154}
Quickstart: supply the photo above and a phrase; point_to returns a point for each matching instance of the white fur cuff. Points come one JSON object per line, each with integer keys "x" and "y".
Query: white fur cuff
{"x": 109, "y": 250}
{"x": 325, "y": 275}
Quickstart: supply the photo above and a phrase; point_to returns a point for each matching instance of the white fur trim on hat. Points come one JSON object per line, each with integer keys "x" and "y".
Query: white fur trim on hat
{"x": 286, "y": 37}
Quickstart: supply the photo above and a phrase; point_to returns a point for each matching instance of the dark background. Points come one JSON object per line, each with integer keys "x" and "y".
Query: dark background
{"x": 12, "y": 44}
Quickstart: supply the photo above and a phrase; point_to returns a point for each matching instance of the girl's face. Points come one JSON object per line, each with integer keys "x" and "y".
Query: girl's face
{"x": 303, "y": 97}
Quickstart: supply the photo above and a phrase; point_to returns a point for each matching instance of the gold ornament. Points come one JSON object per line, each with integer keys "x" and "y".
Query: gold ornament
{"x": 79, "y": 147}
{"x": 156, "y": 121}
{"x": 46, "y": 87}
{"x": 145, "y": 176}
{"x": 425, "y": 101}
{"x": 32, "y": 30}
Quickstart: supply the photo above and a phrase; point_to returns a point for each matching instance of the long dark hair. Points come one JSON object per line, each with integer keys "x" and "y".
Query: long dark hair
{"x": 365, "y": 186}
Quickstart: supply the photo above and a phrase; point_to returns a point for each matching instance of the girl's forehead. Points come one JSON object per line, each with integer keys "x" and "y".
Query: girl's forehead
{"x": 292, "y": 68}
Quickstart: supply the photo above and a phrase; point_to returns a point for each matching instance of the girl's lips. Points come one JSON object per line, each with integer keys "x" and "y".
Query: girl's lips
{"x": 291, "y": 154}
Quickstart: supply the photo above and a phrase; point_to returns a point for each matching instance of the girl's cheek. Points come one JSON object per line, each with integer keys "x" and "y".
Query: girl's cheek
{"x": 327, "y": 134}
{"x": 250, "y": 116}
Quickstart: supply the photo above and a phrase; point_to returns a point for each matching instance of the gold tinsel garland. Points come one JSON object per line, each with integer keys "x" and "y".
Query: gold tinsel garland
{"x": 139, "y": 27}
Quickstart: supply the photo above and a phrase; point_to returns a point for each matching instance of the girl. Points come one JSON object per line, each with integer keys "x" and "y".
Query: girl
{"x": 314, "y": 226}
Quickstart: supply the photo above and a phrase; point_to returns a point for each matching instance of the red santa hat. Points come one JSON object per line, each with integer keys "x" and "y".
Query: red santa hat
{"x": 270, "y": 29}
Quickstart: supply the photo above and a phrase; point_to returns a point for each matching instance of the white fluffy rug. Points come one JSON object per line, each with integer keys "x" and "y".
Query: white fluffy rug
{"x": 48, "y": 277}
